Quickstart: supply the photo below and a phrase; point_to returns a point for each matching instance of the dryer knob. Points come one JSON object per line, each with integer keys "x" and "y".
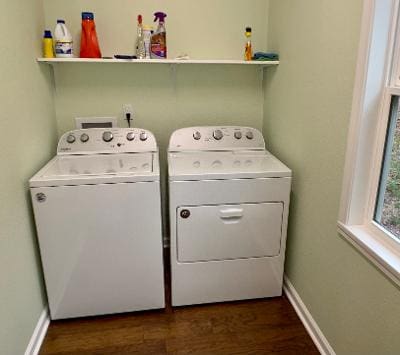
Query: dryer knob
{"x": 84, "y": 138}
{"x": 249, "y": 135}
{"x": 238, "y": 135}
{"x": 217, "y": 134}
{"x": 143, "y": 136}
{"x": 130, "y": 136}
{"x": 70, "y": 138}
{"x": 107, "y": 136}
{"x": 197, "y": 135}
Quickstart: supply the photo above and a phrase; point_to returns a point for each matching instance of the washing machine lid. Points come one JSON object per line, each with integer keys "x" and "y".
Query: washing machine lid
{"x": 97, "y": 169}
{"x": 216, "y": 165}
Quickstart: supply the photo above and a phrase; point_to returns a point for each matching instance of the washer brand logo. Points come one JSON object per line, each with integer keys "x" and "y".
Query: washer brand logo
{"x": 40, "y": 197}
{"x": 65, "y": 149}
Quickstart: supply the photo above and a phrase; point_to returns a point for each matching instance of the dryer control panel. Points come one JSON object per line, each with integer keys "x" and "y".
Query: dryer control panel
{"x": 216, "y": 138}
{"x": 106, "y": 141}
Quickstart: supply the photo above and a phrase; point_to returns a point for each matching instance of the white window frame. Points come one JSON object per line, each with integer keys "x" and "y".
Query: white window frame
{"x": 377, "y": 79}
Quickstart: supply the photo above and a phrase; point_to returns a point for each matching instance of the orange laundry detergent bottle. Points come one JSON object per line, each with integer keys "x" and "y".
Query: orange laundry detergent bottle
{"x": 89, "y": 44}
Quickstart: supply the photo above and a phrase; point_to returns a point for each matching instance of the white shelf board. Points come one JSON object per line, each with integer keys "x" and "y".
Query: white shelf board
{"x": 156, "y": 61}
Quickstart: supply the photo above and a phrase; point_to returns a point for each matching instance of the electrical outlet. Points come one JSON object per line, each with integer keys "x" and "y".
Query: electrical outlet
{"x": 127, "y": 108}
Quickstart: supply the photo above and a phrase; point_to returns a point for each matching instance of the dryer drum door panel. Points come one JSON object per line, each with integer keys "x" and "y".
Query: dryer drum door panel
{"x": 223, "y": 232}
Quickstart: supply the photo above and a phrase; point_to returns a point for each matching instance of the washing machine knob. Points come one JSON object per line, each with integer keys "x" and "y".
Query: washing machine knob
{"x": 70, "y": 138}
{"x": 84, "y": 138}
{"x": 249, "y": 135}
{"x": 107, "y": 136}
{"x": 238, "y": 135}
{"x": 216, "y": 164}
{"x": 197, "y": 135}
{"x": 217, "y": 134}
{"x": 143, "y": 136}
{"x": 130, "y": 136}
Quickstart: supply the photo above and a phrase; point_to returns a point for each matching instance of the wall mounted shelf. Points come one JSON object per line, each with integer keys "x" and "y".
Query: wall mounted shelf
{"x": 157, "y": 61}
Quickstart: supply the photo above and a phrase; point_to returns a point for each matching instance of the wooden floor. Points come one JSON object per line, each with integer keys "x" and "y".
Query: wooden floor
{"x": 268, "y": 326}
{"x": 264, "y": 326}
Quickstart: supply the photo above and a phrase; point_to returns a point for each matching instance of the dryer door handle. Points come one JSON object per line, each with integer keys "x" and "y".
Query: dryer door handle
{"x": 231, "y": 214}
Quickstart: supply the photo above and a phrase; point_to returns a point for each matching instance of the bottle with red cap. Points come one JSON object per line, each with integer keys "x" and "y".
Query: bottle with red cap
{"x": 89, "y": 43}
{"x": 140, "y": 48}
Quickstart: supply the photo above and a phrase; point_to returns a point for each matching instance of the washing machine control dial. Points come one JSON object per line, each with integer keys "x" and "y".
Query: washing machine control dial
{"x": 84, "y": 138}
{"x": 143, "y": 136}
{"x": 217, "y": 134}
{"x": 249, "y": 135}
{"x": 197, "y": 135}
{"x": 71, "y": 138}
{"x": 107, "y": 136}
{"x": 130, "y": 136}
{"x": 238, "y": 135}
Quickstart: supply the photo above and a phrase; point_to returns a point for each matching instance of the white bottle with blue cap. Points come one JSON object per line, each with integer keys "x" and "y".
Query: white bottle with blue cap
{"x": 63, "y": 45}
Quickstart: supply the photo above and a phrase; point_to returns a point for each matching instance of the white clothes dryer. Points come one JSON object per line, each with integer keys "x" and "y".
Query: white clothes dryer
{"x": 98, "y": 217}
{"x": 229, "y": 202}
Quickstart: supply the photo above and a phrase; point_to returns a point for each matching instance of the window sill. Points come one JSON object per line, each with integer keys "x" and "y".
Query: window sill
{"x": 377, "y": 248}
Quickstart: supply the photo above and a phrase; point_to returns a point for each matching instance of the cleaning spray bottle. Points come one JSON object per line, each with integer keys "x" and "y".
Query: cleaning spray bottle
{"x": 159, "y": 38}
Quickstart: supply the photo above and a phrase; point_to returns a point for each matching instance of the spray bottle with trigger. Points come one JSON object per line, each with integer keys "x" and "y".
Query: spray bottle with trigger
{"x": 158, "y": 47}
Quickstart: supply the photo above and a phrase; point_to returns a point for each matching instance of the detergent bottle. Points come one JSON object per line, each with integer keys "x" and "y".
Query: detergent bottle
{"x": 63, "y": 41}
{"x": 48, "y": 45}
{"x": 89, "y": 44}
{"x": 158, "y": 46}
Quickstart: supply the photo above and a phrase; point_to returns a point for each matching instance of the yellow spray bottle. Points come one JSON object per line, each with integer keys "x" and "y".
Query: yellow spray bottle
{"x": 48, "y": 49}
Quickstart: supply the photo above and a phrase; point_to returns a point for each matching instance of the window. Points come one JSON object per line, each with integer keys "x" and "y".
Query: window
{"x": 387, "y": 209}
{"x": 370, "y": 206}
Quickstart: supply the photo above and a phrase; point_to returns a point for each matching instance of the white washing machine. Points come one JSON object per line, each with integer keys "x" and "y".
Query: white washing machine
{"x": 98, "y": 217}
{"x": 229, "y": 201}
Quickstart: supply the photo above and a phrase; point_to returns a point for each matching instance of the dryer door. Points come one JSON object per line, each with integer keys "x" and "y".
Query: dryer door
{"x": 223, "y": 232}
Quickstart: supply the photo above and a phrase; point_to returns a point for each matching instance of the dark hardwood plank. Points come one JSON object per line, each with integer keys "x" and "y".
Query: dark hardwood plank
{"x": 264, "y": 326}
{"x": 267, "y": 326}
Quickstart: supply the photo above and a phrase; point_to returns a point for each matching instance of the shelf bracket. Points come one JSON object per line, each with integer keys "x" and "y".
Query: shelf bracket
{"x": 173, "y": 75}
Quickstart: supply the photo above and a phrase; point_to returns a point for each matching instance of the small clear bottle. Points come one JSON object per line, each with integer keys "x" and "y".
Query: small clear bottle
{"x": 248, "y": 52}
{"x": 140, "y": 47}
{"x": 147, "y": 33}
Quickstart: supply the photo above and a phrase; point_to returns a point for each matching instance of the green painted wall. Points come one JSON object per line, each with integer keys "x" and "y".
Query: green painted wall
{"x": 306, "y": 117}
{"x": 164, "y": 100}
{"x": 28, "y": 140}
{"x": 205, "y": 29}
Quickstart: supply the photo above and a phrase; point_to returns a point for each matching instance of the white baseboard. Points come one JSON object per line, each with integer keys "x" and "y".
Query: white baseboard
{"x": 38, "y": 334}
{"x": 308, "y": 321}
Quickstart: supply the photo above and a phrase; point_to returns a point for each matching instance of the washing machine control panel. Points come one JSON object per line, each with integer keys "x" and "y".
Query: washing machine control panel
{"x": 216, "y": 138}
{"x": 111, "y": 140}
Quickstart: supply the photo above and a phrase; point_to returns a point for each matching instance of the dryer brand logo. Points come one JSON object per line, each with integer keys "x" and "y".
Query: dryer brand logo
{"x": 185, "y": 213}
{"x": 65, "y": 149}
{"x": 41, "y": 197}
